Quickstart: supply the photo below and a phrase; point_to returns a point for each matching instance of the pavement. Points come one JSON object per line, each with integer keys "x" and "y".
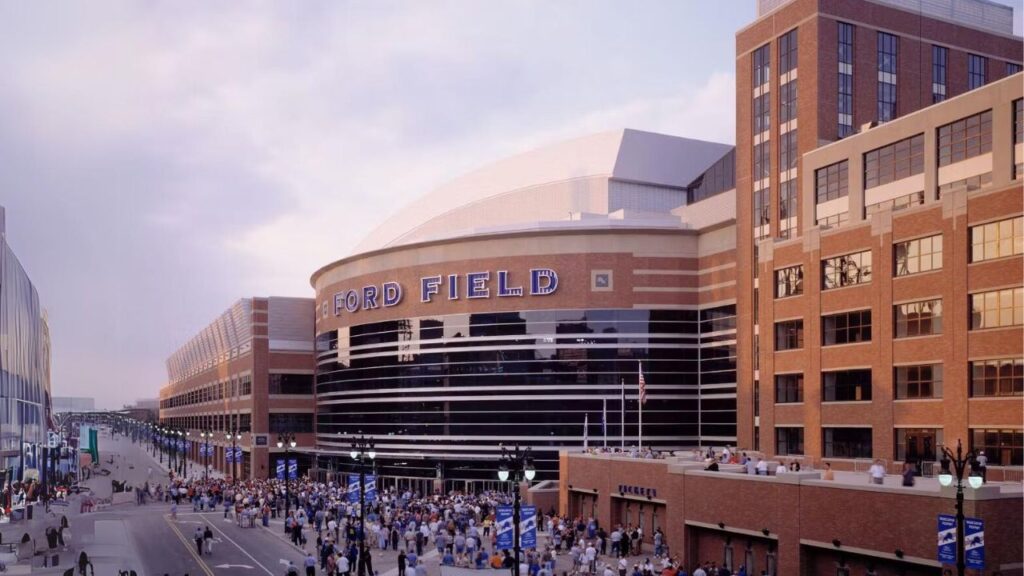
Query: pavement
{"x": 146, "y": 539}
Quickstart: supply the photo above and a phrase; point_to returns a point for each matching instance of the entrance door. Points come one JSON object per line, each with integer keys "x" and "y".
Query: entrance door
{"x": 921, "y": 447}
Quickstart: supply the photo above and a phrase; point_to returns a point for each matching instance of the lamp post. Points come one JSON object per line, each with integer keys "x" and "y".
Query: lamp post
{"x": 517, "y": 464}
{"x": 206, "y": 436}
{"x": 286, "y": 441}
{"x": 362, "y": 450}
{"x": 234, "y": 437}
{"x": 188, "y": 448}
{"x": 960, "y": 462}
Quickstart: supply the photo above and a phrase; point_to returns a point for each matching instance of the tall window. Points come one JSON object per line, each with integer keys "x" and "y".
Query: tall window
{"x": 846, "y": 270}
{"x": 762, "y": 208}
{"x": 919, "y": 255}
{"x": 1018, "y": 136}
{"x": 939, "y": 56}
{"x": 977, "y": 71}
{"x": 762, "y": 65}
{"x": 1012, "y": 68}
{"x": 997, "y": 309}
{"x": 787, "y": 208}
{"x": 894, "y": 162}
{"x": 887, "y": 67}
{"x": 965, "y": 138}
{"x": 846, "y": 386}
{"x": 762, "y": 112}
{"x": 789, "y": 388}
{"x": 846, "y": 328}
{"x": 787, "y": 101}
{"x": 1003, "y": 447}
{"x": 920, "y": 381}
{"x": 922, "y": 318}
{"x": 1000, "y": 377}
{"x": 847, "y": 442}
{"x": 997, "y": 239}
{"x": 762, "y": 160}
{"x": 832, "y": 182}
{"x": 789, "y": 441}
{"x": 787, "y": 151}
{"x": 789, "y": 281}
{"x": 789, "y": 335}
{"x": 845, "y": 101}
{"x": 787, "y": 51}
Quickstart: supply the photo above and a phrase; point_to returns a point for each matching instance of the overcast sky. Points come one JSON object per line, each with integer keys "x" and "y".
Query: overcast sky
{"x": 160, "y": 160}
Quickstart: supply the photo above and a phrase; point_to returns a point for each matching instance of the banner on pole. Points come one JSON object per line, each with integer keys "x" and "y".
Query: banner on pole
{"x": 280, "y": 469}
{"x": 353, "y": 488}
{"x": 947, "y": 539}
{"x": 370, "y": 488}
{"x": 293, "y": 469}
{"x": 238, "y": 453}
{"x": 503, "y": 521}
{"x": 527, "y": 527}
{"x": 974, "y": 543}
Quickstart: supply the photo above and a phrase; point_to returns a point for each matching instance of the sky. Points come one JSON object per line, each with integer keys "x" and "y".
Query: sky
{"x": 160, "y": 160}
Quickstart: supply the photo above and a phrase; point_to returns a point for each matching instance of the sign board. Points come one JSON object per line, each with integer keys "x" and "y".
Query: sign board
{"x": 261, "y": 440}
{"x": 947, "y": 539}
{"x": 503, "y": 523}
{"x": 528, "y": 527}
{"x": 974, "y": 543}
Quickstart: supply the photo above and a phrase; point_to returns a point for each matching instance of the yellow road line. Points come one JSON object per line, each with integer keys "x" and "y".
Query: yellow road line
{"x": 190, "y": 547}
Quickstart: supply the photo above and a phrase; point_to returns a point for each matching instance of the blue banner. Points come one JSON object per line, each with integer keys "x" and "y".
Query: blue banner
{"x": 974, "y": 543}
{"x": 503, "y": 522}
{"x": 188, "y": 445}
{"x": 238, "y": 453}
{"x": 229, "y": 456}
{"x": 280, "y": 469}
{"x": 527, "y": 527}
{"x": 293, "y": 469}
{"x": 353, "y": 488}
{"x": 947, "y": 539}
{"x": 181, "y": 445}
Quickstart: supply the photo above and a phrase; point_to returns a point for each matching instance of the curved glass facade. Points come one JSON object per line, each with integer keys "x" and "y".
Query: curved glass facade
{"x": 450, "y": 389}
{"x": 23, "y": 393}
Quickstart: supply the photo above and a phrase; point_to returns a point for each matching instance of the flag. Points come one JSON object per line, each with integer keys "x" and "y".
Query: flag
{"x": 642, "y": 384}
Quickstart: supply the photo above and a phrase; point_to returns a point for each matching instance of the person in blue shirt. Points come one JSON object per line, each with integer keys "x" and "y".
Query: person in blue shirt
{"x": 448, "y": 559}
{"x": 411, "y": 559}
{"x": 481, "y": 559}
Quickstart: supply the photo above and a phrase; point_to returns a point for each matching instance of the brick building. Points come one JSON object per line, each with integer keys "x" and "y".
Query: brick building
{"x": 859, "y": 64}
{"x": 250, "y": 373}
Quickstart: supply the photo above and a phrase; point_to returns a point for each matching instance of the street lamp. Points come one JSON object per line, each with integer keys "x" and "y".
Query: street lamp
{"x": 960, "y": 462}
{"x": 286, "y": 441}
{"x": 362, "y": 450}
{"x": 188, "y": 449}
{"x": 206, "y": 436}
{"x": 516, "y": 465}
{"x": 234, "y": 438}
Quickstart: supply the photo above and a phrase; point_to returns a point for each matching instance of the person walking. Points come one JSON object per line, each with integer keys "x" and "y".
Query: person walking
{"x": 208, "y": 541}
{"x": 198, "y": 536}
{"x": 310, "y": 563}
{"x": 876, "y": 473}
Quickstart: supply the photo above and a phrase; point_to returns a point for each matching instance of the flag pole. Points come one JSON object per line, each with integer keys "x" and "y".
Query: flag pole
{"x": 622, "y": 430}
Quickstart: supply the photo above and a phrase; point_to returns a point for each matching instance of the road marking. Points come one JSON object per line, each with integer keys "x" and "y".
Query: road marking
{"x": 244, "y": 551}
{"x": 246, "y": 566}
{"x": 189, "y": 547}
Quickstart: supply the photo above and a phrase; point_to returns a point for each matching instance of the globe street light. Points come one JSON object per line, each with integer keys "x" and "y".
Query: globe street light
{"x": 362, "y": 451}
{"x": 517, "y": 465}
{"x": 960, "y": 462}
{"x": 286, "y": 441}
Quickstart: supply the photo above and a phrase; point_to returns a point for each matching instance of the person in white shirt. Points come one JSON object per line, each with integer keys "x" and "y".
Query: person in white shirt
{"x": 877, "y": 472}
{"x": 762, "y": 467}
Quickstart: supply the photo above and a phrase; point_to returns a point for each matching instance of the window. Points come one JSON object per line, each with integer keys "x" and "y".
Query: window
{"x": 1001, "y": 377}
{"x": 833, "y": 220}
{"x": 977, "y": 68}
{"x": 967, "y": 184}
{"x": 1002, "y": 447}
{"x": 789, "y": 388}
{"x": 787, "y": 208}
{"x": 789, "y": 281}
{"x": 789, "y": 441}
{"x": 997, "y": 239}
{"x": 291, "y": 384}
{"x": 918, "y": 444}
{"x": 789, "y": 335}
{"x": 1018, "y": 136}
{"x": 922, "y": 318}
{"x": 762, "y": 160}
{"x": 939, "y": 56}
{"x": 845, "y": 92}
{"x": 846, "y": 328}
{"x": 287, "y": 422}
{"x": 920, "y": 255}
{"x": 787, "y": 101}
{"x": 846, "y": 270}
{"x": 997, "y": 308}
{"x": 246, "y": 386}
{"x": 762, "y": 65}
{"x": 847, "y": 442}
{"x": 966, "y": 138}
{"x": 762, "y": 208}
{"x": 787, "y": 51}
{"x": 1012, "y": 68}
{"x": 832, "y": 182}
{"x": 920, "y": 381}
{"x": 762, "y": 113}
{"x": 757, "y": 397}
{"x": 787, "y": 151}
{"x": 846, "y": 386}
{"x": 887, "y": 67}
{"x": 894, "y": 162}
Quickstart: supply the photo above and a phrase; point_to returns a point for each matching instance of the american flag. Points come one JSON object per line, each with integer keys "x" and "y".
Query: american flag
{"x": 643, "y": 385}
